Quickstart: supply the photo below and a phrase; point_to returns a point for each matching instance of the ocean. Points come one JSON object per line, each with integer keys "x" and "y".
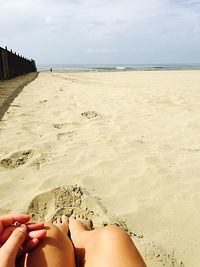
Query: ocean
{"x": 115, "y": 67}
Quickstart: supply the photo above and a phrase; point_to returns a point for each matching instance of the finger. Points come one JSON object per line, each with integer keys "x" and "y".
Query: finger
{"x": 27, "y": 246}
{"x": 14, "y": 242}
{"x": 6, "y": 233}
{"x": 30, "y": 227}
{"x": 36, "y": 234}
{"x": 34, "y": 226}
{"x": 7, "y": 220}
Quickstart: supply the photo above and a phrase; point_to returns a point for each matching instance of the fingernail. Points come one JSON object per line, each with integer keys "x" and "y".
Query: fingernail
{"x": 22, "y": 228}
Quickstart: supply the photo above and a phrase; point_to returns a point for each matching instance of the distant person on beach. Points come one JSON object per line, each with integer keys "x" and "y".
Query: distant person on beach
{"x": 51, "y": 69}
{"x": 70, "y": 242}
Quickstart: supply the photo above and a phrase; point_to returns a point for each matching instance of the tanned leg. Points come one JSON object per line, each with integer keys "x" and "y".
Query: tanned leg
{"x": 56, "y": 250}
{"x": 106, "y": 247}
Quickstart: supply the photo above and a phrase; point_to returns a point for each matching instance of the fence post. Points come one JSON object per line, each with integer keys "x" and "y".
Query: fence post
{"x": 13, "y": 64}
{"x": 1, "y": 65}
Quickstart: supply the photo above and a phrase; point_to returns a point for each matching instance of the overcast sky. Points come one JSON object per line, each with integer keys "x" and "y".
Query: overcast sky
{"x": 102, "y": 31}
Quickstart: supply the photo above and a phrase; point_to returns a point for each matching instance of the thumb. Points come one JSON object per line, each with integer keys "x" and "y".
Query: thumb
{"x": 14, "y": 242}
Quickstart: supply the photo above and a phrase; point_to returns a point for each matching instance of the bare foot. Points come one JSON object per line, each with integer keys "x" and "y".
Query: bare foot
{"x": 63, "y": 224}
{"x": 77, "y": 225}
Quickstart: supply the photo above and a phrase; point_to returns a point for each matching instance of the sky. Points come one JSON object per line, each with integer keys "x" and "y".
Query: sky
{"x": 102, "y": 31}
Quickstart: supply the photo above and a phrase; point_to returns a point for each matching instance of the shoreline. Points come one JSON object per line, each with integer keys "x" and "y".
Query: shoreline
{"x": 113, "y": 71}
{"x": 116, "y": 67}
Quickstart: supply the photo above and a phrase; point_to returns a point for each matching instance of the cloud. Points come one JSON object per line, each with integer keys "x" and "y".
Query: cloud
{"x": 101, "y": 50}
{"x": 93, "y": 28}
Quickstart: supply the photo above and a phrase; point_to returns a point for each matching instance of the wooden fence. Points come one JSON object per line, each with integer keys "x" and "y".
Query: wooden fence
{"x": 13, "y": 65}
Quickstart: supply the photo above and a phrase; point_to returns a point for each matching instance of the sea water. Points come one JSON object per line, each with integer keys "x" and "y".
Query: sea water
{"x": 115, "y": 67}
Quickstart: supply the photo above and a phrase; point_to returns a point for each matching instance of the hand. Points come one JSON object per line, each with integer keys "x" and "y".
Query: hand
{"x": 15, "y": 241}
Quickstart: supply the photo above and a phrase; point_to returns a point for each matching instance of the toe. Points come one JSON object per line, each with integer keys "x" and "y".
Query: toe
{"x": 58, "y": 220}
{"x": 65, "y": 219}
{"x": 89, "y": 224}
{"x": 72, "y": 217}
{"x": 79, "y": 222}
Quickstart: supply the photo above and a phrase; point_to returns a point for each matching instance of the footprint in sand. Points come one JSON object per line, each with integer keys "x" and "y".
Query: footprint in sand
{"x": 17, "y": 159}
{"x": 66, "y": 136}
{"x": 89, "y": 114}
{"x": 43, "y": 101}
{"x": 64, "y": 125}
{"x": 60, "y": 125}
{"x": 20, "y": 158}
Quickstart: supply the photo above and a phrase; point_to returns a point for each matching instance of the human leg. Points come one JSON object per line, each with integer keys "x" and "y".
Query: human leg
{"x": 106, "y": 247}
{"x": 56, "y": 250}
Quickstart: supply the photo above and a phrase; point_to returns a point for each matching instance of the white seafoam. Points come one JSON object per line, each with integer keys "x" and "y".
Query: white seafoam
{"x": 140, "y": 154}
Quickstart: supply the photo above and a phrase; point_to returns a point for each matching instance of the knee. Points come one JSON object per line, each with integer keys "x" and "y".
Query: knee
{"x": 55, "y": 237}
{"x": 50, "y": 226}
{"x": 52, "y": 230}
{"x": 114, "y": 234}
{"x": 113, "y": 230}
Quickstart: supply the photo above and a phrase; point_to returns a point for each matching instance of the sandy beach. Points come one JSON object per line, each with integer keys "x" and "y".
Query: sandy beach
{"x": 121, "y": 147}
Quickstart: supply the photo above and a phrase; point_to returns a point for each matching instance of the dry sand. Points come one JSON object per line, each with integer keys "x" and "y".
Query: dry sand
{"x": 10, "y": 89}
{"x": 129, "y": 138}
